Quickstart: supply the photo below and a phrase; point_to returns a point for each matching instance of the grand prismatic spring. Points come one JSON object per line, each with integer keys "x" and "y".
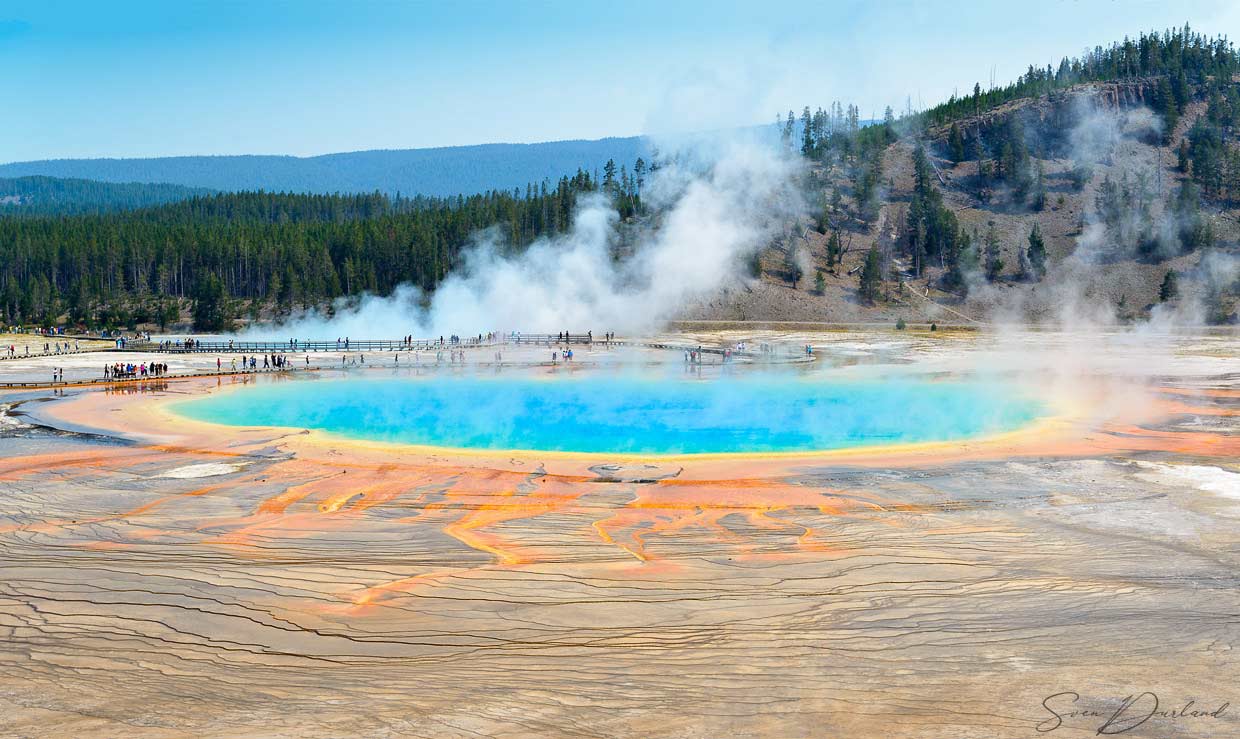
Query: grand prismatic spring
{"x": 904, "y": 534}
{"x": 626, "y": 415}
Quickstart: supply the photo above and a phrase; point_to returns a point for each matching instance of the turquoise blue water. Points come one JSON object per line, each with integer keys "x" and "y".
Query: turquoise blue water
{"x": 615, "y": 414}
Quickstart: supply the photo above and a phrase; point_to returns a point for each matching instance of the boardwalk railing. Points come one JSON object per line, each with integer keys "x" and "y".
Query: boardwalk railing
{"x": 396, "y": 345}
{"x": 362, "y": 345}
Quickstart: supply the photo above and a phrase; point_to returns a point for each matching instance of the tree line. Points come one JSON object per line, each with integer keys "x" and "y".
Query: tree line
{"x": 38, "y": 195}
{"x": 1182, "y": 56}
{"x": 240, "y": 251}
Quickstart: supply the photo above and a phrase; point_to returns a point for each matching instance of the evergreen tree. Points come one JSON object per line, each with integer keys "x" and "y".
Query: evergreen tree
{"x": 792, "y": 267}
{"x": 211, "y": 306}
{"x": 1165, "y": 104}
{"x": 168, "y": 314}
{"x": 609, "y": 176}
{"x": 820, "y": 282}
{"x": 1170, "y": 288}
{"x": 807, "y": 133}
{"x": 1038, "y": 197}
{"x": 955, "y": 144}
{"x": 833, "y": 249}
{"x": 870, "y": 280}
{"x": 994, "y": 261}
{"x": 1195, "y": 230}
{"x": 1036, "y": 253}
{"x": 931, "y": 229}
{"x": 962, "y": 270}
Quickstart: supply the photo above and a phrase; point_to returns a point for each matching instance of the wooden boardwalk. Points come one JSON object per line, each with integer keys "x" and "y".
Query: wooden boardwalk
{"x": 396, "y": 345}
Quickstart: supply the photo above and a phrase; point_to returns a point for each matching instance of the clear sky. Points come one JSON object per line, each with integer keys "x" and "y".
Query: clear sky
{"x": 135, "y": 78}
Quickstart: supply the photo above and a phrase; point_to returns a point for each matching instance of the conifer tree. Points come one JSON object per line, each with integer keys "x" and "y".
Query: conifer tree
{"x": 807, "y": 133}
{"x": 870, "y": 280}
{"x": 792, "y": 267}
{"x": 994, "y": 260}
{"x": 833, "y": 249}
{"x": 955, "y": 144}
{"x": 1038, "y": 197}
{"x": 210, "y": 306}
{"x": 1036, "y": 253}
{"x": 1170, "y": 288}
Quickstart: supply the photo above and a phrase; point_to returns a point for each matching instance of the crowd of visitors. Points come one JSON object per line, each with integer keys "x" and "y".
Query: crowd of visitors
{"x": 129, "y": 370}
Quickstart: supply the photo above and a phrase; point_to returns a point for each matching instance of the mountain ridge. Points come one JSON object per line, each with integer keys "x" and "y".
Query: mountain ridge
{"x": 435, "y": 171}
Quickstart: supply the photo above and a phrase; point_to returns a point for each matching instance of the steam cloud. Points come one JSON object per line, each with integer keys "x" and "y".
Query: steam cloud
{"x": 1078, "y": 293}
{"x": 718, "y": 202}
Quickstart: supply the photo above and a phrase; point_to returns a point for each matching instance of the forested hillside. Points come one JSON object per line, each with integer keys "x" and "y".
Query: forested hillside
{"x": 1109, "y": 182}
{"x": 230, "y": 254}
{"x": 52, "y": 196}
{"x": 439, "y": 172}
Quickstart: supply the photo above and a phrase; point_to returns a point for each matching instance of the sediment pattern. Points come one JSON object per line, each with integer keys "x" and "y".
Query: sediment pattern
{"x": 259, "y": 587}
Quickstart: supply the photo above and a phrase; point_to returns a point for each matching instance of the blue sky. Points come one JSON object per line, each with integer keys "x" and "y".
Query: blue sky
{"x": 86, "y": 79}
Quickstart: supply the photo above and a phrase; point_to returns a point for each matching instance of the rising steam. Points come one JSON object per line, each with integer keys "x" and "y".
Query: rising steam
{"x": 711, "y": 207}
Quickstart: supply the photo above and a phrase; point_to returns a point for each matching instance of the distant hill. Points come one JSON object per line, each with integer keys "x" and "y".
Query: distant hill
{"x": 436, "y": 172}
{"x": 39, "y": 195}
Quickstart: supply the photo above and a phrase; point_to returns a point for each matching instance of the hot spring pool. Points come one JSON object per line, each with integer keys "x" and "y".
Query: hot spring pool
{"x": 609, "y": 414}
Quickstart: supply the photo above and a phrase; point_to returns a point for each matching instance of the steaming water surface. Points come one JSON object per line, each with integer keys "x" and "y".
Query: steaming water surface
{"x": 611, "y": 414}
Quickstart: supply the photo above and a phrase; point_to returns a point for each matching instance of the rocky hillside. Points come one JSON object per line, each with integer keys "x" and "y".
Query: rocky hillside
{"x": 1081, "y": 141}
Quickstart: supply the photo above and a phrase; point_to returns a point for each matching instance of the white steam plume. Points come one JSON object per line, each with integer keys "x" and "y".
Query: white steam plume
{"x": 712, "y": 207}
